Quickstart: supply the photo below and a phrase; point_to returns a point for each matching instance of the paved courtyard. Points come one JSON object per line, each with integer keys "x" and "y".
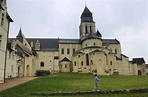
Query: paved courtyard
{"x": 14, "y": 82}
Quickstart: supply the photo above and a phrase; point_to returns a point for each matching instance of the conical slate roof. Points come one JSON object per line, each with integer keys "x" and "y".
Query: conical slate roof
{"x": 86, "y": 15}
{"x": 20, "y": 33}
{"x": 86, "y": 11}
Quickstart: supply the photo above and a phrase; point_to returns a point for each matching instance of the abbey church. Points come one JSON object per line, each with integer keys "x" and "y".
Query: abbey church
{"x": 89, "y": 54}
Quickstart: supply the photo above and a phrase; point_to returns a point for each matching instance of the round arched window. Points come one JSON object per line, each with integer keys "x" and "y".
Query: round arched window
{"x": 42, "y": 64}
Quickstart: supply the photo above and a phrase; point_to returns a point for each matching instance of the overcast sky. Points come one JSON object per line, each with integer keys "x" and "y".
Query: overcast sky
{"x": 125, "y": 20}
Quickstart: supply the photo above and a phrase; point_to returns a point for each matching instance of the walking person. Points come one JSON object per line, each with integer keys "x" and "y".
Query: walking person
{"x": 96, "y": 81}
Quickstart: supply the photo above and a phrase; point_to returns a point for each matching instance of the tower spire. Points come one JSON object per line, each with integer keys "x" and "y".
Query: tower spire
{"x": 86, "y": 16}
{"x": 85, "y": 3}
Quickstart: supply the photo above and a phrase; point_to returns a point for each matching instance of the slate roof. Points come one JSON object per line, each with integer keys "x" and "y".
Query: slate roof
{"x": 71, "y": 41}
{"x": 124, "y": 56}
{"x": 65, "y": 59}
{"x": 86, "y": 11}
{"x": 99, "y": 34}
{"x": 20, "y": 33}
{"x": 53, "y": 43}
{"x": 106, "y": 42}
{"x": 92, "y": 36}
{"x": 96, "y": 51}
{"x": 86, "y": 16}
{"x": 45, "y": 43}
{"x": 138, "y": 60}
{"x": 117, "y": 58}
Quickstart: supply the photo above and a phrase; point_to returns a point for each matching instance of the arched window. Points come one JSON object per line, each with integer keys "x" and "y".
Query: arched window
{"x": 90, "y": 29}
{"x": 74, "y": 50}
{"x": 65, "y": 66}
{"x": 62, "y": 52}
{"x": 68, "y": 51}
{"x": 94, "y": 44}
{"x": 111, "y": 63}
{"x": 115, "y": 51}
{"x": 87, "y": 60}
{"x": 75, "y": 63}
{"x": 81, "y": 63}
{"x": 42, "y": 64}
{"x": 86, "y": 29}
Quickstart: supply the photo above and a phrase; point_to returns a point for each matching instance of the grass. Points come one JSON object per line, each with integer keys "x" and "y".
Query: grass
{"x": 72, "y": 82}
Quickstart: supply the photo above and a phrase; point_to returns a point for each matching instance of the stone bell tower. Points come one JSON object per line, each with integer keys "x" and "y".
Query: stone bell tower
{"x": 87, "y": 24}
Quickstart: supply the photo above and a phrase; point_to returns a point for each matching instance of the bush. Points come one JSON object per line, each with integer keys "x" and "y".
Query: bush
{"x": 42, "y": 72}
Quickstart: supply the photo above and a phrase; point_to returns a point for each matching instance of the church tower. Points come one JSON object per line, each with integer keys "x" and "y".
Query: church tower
{"x": 87, "y": 25}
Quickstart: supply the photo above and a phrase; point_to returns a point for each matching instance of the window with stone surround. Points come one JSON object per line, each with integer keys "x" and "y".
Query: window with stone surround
{"x": 42, "y": 64}
{"x": 75, "y": 63}
{"x": 81, "y": 63}
{"x": 74, "y": 50}
{"x": 62, "y": 51}
{"x": 111, "y": 63}
{"x": 68, "y": 51}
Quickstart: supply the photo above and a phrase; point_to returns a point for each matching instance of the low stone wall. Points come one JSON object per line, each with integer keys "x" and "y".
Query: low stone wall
{"x": 139, "y": 90}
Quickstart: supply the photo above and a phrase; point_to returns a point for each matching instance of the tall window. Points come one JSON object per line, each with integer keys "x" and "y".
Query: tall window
{"x": 81, "y": 63}
{"x": 68, "y": 51}
{"x": 111, "y": 63}
{"x": 94, "y": 44}
{"x": 9, "y": 54}
{"x": 86, "y": 29}
{"x": 0, "y": 40}
{"x": 65, "y": 66}
{"x": 75, "y": 63}
{"x": 115, "y": 51}
{"x": 42, "y": 64}
{"x": 74, "y": 50}
{"x": 62, "y": 52}
{"x": 87, "y": 59}
{"x": 90, "y": 29}
{"x": 2, "y": 19}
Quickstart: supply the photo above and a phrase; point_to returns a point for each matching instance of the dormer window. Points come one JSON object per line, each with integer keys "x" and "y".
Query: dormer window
{"x": 37, "y": 45}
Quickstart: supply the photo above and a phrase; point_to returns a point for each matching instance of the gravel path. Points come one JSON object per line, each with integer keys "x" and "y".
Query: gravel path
{"x": 14, "y": 82}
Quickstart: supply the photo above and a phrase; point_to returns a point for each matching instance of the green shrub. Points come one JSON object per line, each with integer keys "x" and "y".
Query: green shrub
{"x": 42, "y": 72}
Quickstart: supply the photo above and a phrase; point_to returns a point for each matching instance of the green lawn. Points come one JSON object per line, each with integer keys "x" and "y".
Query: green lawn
{"x": 72, "y": 82}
